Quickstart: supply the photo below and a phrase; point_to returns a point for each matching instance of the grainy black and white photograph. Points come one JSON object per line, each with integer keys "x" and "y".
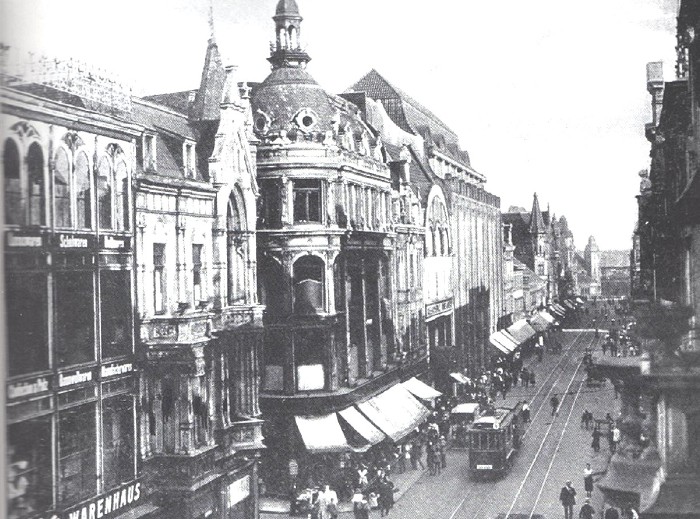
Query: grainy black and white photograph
{"x": 273, "y": 259}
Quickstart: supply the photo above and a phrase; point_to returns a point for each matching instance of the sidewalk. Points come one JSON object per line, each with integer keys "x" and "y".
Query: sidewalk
{"x": 403, "y": 482}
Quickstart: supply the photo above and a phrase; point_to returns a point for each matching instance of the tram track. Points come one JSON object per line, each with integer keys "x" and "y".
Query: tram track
{"x": 476, "y": 494}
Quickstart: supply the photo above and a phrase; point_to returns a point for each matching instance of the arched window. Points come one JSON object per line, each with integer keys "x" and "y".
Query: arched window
{"x": 62, "y": 190}
{"x": 35, "y": 184}
{"x": 293, "y": 43}
{"x": 104, "y": 194}
{"x": 13, "y": 186}
{"x": 83, "y": 189}
{"x": 235, "y": 224}
{"x": 283, "y": 38}
{"x": 308, "y": 285}
{"x": 121, "y": 186}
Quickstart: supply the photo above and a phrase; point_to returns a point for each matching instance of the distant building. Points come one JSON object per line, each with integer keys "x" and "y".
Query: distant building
{"x": 615, "y": 273}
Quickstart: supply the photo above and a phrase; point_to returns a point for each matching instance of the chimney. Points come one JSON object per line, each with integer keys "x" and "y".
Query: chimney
{"x": 655, "y": 86}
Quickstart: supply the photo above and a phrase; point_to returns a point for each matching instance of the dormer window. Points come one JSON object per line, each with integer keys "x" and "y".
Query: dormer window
{"x": 149, "y": 152}
{"x": 188, "y": 159}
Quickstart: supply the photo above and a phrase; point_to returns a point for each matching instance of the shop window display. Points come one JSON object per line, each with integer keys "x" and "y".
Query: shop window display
{"x": 29, "y": 468}
{"x": 115, "y": 309}
{"x": 77, "y": 474}
{"x": 26, "y": 302}
{"x": 118, "y": 441}
{"x": 74, "y": 328}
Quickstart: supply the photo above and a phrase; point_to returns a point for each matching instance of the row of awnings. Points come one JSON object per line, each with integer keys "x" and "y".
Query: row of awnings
{"x": 508, "y": 340}
{"x": 393, "y": 413}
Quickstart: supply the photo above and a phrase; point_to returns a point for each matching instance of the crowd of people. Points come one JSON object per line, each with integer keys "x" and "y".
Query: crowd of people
{"x": 567, "y": 497}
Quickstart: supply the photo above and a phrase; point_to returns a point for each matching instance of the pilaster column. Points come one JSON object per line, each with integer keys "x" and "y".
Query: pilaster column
{"x": 366, "y": 361}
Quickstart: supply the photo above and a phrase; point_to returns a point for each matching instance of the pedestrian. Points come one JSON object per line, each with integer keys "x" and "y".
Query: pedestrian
{"x": 588, "y": 479}
{"x": 431, "y": 458}
{"x": 554, "y": 402}
{"x": 604, "y": 346}
{"x": 443, "y": 452}
{"x": 328, "y": 503}
{"x": 526, "y": 412}
{"x": 567, "y": 496}
{"x": 373, "y": 500}
{"x": 616, "y": 436}
{"x": 417, "y": 455}
{"x": 630, "y": 512}
{"x": 584, "y": 418}
{"x": 525, "y": 377}
{"x": 532, "y": 378}
{"x": 386, "y": 496}
{"x": 357, "y": 499}
{"x": 611, "y": 513}
{"x": 596, "y": 439}
{"x": 364, "y": 510}
{"x": 587, "y": 511}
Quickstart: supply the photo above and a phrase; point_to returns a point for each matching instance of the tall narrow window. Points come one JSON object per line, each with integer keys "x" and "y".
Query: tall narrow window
{"x": 30, "y": 474}
{"x": 62, "y": 190}
{"x": 235, "y": 223}
{"x": 35, "y": 184}
{"x": 121, "y": 188}
{"x": 189, "y": 161}
{"x": 159, "y": 298}
{"x": 13, "y": 186}
{"x": 149, "y": 152}
{"x": 197, "y": 273}
{"x": 307, "y": 201}
{"x": 104, "y": 194}
{"x": 83, "y": 188}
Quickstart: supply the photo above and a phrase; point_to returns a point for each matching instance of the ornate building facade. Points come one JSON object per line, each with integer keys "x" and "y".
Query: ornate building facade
{"x": 200, "y": 324}
{"x": 463, "y": 266}
{"x": 327, "y": 257}
{"x": 72, "y": 393}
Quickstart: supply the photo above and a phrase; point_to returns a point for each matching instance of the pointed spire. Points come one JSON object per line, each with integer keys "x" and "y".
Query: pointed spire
{"x": 536, "y": 220}
{"x": 208, "y": 98}
{"x": 212, "y": 34}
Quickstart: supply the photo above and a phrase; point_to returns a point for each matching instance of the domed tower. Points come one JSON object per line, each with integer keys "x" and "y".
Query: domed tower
{"x": 325, "y": 249}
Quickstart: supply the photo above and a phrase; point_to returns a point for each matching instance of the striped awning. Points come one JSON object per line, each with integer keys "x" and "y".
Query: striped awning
{"x": 503, "y": 342}
{"x": 521, "y": 331}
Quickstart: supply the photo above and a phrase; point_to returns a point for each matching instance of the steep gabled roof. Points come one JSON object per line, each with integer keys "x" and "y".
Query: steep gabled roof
{"x": 410, "y": 115}
{"x": 178, "y": 101}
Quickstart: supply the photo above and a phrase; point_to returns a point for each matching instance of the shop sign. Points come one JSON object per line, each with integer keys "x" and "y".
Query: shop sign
{"x": 78, "y": 377}
{"x": 70, "y": 241}
{"x": 116, "y": 369}
{"x": 27, "y": 388}
{"x": 24, "y": 241}
{"x": 108, "y": 242}
{"x": 434, "y": 309}
{"x": 238, "y": 491}
{"x": 106, "y": 504}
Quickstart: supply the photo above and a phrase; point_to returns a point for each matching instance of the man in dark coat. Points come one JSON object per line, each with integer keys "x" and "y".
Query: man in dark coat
{"x": 567, "y": 496}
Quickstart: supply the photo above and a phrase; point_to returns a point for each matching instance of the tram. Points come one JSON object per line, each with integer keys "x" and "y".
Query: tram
{"x": 493, "y": 440}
